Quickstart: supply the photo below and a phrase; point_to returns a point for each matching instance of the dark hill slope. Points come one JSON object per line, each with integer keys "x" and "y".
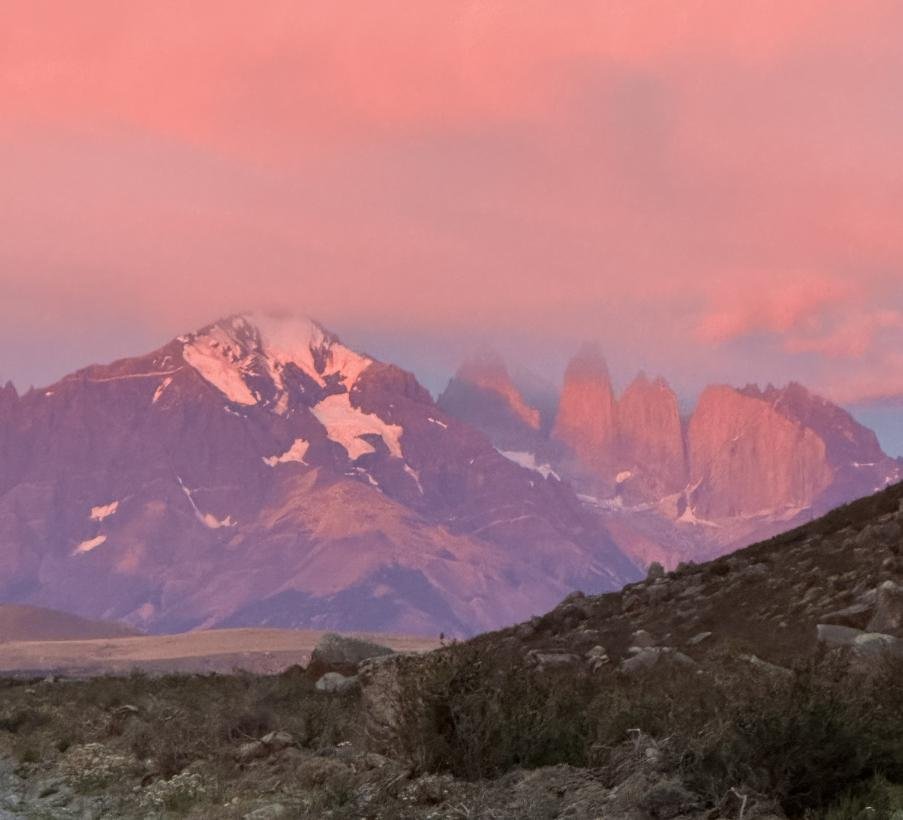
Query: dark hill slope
{"x": 766, "y": 599}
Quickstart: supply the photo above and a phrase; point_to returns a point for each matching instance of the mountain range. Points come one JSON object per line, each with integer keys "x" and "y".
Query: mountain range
{"x": 744, "y": 465}
{"x": 258, "y": 472}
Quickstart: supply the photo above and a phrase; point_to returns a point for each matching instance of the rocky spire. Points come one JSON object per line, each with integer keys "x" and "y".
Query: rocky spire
{"x": 651, "y": 441}
{"x": 587, "y": 414}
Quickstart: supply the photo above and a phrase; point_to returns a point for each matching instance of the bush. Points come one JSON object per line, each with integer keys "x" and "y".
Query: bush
{"x": 878, "y": 799}
{"x": 804, "y": 739}
{"x": 482, "y": 711}
{"x": 477, "y": 711}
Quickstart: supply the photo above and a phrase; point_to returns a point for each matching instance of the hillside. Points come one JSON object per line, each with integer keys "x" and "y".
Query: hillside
{"x": 761, "y": 685}
{"x": 767, "y": 598}
{"x": 19, "y": 622}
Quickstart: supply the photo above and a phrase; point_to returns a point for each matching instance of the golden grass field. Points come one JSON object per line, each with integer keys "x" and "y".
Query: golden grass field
{"x": 217, "y": 650}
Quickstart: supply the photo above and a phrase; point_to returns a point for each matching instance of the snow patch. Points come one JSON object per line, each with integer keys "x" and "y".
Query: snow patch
{"x": 257, "y": 344}
{"x": 689, "y": 517}
{"x": 159, "y": 391}
{"x": 441, "y": 424}
{"x": 370, "y": 478}
{"x": 90, "y": 544}
{"x": 207, "y": 519}
{"x": 104, "y": 511}
{"x": 528, "y": 460}
{"x": 214, "y": 523}
{"x": 345, "y": 424}
{"x": 294, "y": 453}
{"x": 214, "y": 357}
{"x": 415, "y": 475}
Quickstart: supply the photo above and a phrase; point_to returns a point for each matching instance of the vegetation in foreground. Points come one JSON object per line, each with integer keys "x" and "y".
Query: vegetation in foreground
{"x": 654, "y": 702}
{"x": 821, "y": 741}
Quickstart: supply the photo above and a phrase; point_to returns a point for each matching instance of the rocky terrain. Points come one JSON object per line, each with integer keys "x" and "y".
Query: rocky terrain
{"x": 760, "y": 685}
{"x": 258, "y": 472}
{"x": 746, "y": 464}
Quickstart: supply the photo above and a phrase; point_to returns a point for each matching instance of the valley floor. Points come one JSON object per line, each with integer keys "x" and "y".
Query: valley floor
{"x": 264, "y": 651}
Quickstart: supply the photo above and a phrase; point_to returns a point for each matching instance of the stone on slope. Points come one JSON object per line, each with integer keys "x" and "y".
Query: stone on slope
{"x": 888, "y": 617}
{"x": 342, "y": 653}
{"x": 650, "y": 656}
{"x": 335, "y": 683}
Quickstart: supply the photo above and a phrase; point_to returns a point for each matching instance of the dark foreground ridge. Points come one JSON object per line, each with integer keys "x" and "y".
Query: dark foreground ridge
{"x": 764, "y": 684}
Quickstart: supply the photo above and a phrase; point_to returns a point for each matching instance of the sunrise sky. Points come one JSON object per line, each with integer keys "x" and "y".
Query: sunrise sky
{"x": 713, "y": 190}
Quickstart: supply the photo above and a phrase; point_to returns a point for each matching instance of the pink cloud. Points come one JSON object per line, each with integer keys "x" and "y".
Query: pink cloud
{"x": 852, "y": 336}
{"x": 669, "y": 177}
{"x": 778, "y": 303}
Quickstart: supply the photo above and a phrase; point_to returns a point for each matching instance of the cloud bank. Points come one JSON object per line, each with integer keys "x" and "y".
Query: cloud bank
{"x": 710, "y": 189}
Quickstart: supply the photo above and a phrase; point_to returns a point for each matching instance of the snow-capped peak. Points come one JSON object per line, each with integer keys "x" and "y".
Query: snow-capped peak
{"x": 235, "y": 353}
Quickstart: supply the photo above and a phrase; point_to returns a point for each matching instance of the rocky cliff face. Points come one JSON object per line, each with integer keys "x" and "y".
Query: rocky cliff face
{"x": 746, "y": 458}
{"x": 651, "y": 440}
{"x": 587, "y": 420}
{"x": 860, "y": 465}
{"x": 260, "y": 472}
{"x": 483, "y": 394}
{"x": 767, "y": 452}
{"x": 747, "y": 464}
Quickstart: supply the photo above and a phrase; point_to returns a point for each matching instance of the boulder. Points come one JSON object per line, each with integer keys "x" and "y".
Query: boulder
{"x": 552, "y": 659}
{"x": 381, "y": 680}
{"x": 837, "y": 635}
{"x": 597, "y": 657}
{"x": 855, "y": 616}
{"x": 642, "y": 639}
{"x": 864, "y": 645}
{"x": 272, "y": 812}
{"x": 336, "y": 683}
{"x": 340, "y": 653}
{"x": 768, "y": 668}
{"x": 650, "y": 656}
{"x": 888, "y": 616}
{"x": 276, "y": 741}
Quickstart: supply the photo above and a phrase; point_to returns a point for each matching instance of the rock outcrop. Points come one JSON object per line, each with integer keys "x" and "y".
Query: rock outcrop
{"x": 748, "y": 462}
{"x": 746, "y": 458}
{"x": 587, "y": 420}
{"x": 651, "y": 449}
{"x": 483, "y": 394}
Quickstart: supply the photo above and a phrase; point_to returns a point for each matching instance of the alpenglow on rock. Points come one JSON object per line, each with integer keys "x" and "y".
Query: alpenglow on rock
{"x": 746, "y": 464}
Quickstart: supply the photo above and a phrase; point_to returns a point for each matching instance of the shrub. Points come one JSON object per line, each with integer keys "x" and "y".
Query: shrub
{"x": 482, "y": 711}
{"x": 805, "y": 739}
{"x": 655, "y": 570}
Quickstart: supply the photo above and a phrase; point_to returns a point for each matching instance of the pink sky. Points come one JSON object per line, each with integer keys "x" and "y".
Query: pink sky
{"x": 711, "y": 189}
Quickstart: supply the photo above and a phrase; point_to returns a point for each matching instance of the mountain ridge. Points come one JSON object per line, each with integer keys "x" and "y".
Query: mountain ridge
{"x": 746, "y": 463}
